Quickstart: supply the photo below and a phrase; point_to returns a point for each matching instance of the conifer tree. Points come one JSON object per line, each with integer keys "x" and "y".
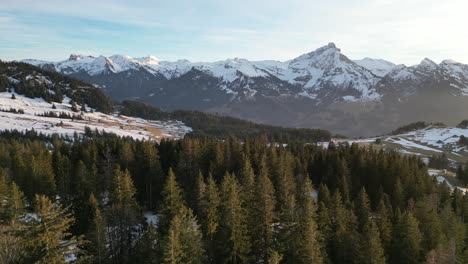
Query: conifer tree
{"x": 210, "y": 212}
{"x": 344, "y": 235}
{"x": 201, "y": 191}
{"x": 306, "y": 233}
{"x": 123, "y": 216}
{"x": 324, "y": 222}
{"x": 406, "y": 241}
{"x": 148, "y": 246}
{"x": 47, "y": 233}
{"x": 285, "y": 205}
{"x": 173, "y": 252}
{"x": 183, "y": 242}
{"x": 233, "y": 229}
{"x": 370, "y": 249}
{"x": 264, "y": 215}
{"x": 385, "y": 225}
{"x": 97, "y": 233}
{"x": 398, "y": 196}
{"x": 15, "y": 204}
{"x": 363, "y": 209}
{"x": 172, "y": 201}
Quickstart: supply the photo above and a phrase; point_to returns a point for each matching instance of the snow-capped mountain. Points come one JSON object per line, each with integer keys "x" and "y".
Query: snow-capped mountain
{"x": 446, "y": 77}
{"x": 322, "y": 88}
{"x": 378, "y": 67}
{"x": 319, "y": 73}
{"x": 34, "y": 99}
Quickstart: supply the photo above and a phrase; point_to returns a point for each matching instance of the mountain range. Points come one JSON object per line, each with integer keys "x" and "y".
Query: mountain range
{"x": 321, "y": 89}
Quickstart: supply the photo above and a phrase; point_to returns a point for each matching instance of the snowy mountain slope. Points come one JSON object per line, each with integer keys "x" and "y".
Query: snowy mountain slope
{"x": 432, "y": 140}
{"x": 324, "y": 74}
{"x": 378, "y": 67}
{"x": 111, "y": 123}
{"x": 446, "y": 76}
{"x": 320, "y": 89}
{"x": 32, "y": 98}
{"x": 321, "y": 69}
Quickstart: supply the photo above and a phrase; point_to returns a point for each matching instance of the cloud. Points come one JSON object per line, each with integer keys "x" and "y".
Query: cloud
{"x": 401, "y": 31}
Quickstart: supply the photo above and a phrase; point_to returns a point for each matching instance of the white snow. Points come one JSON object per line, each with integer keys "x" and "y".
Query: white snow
{"x": 151, "y": 218}
{"x": 314, "y": 70}
{"x": 411, "y": 144}
{"x": 120, "y": 125}
{"x": 378, "y": 67}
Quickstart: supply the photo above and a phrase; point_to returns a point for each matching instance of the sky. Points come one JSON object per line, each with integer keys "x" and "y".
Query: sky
{"x": 401, "y": 31}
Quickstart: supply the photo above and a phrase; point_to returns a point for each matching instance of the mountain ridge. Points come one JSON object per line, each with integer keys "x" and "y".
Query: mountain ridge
{"x": 323, "y": 88}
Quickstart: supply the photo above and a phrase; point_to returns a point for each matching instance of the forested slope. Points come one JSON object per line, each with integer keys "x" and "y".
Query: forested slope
{"x": 222, "y": 202}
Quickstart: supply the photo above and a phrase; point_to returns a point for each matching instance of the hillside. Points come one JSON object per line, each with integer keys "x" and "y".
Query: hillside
{"x": 52, "y": 103}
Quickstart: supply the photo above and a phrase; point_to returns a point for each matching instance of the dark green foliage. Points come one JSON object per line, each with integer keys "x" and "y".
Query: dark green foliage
{"x": 254, "y": 202}
{"x": 439, "y": 162}
{"x": 47, "y": 233}
{"x": 406, "y": 241}
{"x": 220, "y": 126}
{"x": 34, "y": 82}
{"x": 13, "y": 110}
{"x": 410, "y": 127}
{"x": 61, "y": 115}
{"x": 463, "y": 124}
{"x": 463, "y": 141}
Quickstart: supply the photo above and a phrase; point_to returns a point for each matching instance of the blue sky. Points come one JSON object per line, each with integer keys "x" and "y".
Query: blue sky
{"x": 208, "y": 30}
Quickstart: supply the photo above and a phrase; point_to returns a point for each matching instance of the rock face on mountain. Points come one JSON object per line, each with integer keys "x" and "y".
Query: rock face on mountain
{"x": 323, "y": 88}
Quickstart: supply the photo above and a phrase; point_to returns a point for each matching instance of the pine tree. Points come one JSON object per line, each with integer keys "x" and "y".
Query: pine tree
{"x": 324, "y": 222}
{"x": 210, "y": 212}
{"x": 172, "y": 201}
{"x": 285, "y": 205}
{"x": 97, "y": 233}
{"x": 362, "y": 209}
{"x": 47, "y": 233}
{"x": 148, "y": 246}
{"x": 398, "y": 196}
{"x": 123, "y": 216}
{"x": 406, "y": 241}
{"x": 183, "y": 243}
{"x": 3, "y": 195}
{"x": 15, "y": 205}
{"x": 173, "y": 252}
{"x": 264, "y": 214}
{"x": 344, "y": 235}
{"x": 306, "y": 233}
{"x": 201, "y": 192}
{"x": 233, "y": 229}
{"x": 370, "y": 249}
{"x": 385, "y": 225}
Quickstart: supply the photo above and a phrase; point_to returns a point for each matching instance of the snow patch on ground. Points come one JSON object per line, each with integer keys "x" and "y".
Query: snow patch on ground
{"x": 124, "y": 126}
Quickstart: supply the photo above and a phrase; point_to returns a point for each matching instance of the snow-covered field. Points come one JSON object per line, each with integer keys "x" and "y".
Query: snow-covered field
{"x": 120, "y": 125}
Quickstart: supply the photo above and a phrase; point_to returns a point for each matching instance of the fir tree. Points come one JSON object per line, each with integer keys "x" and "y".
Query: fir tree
{"x": 172, "y": 201}
{"x": 15, "y": 204}
{"x": 406, "y": 241}
{"x": 97, "y": 233}
{"x": 363, "y": 209}
{"x": 183, "y": 243}
{"x": 233, "y": 227}
{"x": 210, "y": 212}
{"x": 47, "y": 233}
{"x": 306, "y": 233}
{"x": 264, "y": 214}
{"x": 385, "y": 225}
{"x": 148, "y": 246}
{"x": 370, "y": 249}
{"x": 123, "y": 215}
